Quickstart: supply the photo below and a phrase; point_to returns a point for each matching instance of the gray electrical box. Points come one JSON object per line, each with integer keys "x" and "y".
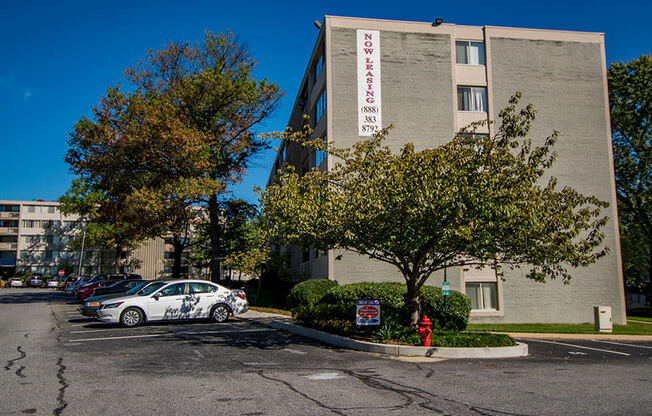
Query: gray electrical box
{"x": 602, "y": 315}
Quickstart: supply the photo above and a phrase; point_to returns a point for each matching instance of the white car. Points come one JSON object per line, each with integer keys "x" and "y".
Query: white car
{"x": 174, "y": 299}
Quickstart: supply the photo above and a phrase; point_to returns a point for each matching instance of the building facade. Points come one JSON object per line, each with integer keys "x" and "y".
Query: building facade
{"x": 428, "y": 81}
{"x": 35, "y": 237}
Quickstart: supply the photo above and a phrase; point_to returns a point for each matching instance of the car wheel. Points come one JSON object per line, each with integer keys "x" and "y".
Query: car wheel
{"x": 220, "y": 313}
{"x": 131, "y": 317}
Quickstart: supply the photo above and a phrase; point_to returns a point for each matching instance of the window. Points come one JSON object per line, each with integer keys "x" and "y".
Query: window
{"x": 9, "y": 208}
{"x": 174, "y": 290}
{"x": 320, "y": 106}
{"x": 483, "y": 295}
{"x": 319, "y": 65}
{"x": 320, "y": 155}
{"x": 31, "y": 208}
{"x": 472, "y": 99}
{"x": 201, "y": 288}
{"x": 8, "y": 223}
{"x": 482, "y": 287}
{"x": 469, "y": 52}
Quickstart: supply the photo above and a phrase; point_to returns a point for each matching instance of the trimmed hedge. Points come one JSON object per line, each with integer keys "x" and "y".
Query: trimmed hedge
{"x": 335, "y": 311}
{"x": 308, "y": 293}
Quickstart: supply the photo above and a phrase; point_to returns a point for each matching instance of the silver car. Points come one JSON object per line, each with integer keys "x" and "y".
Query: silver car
{"x": 172, "y": 300}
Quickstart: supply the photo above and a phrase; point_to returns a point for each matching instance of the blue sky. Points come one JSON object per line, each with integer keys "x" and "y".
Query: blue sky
{"x": 58, "y": 58}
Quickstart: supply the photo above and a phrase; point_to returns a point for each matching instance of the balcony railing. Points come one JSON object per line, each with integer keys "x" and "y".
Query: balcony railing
{"x": 8, "y": 230}
{"x": 8, "y": 215}
{"x": 8, "y": 246}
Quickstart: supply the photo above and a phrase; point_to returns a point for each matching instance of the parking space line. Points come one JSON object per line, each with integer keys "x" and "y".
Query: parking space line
{"x": 100, "y": 330}
{"x": 168, "y": 334}
{"x": 577, "y": 346}
{"x": 622, "y": 343}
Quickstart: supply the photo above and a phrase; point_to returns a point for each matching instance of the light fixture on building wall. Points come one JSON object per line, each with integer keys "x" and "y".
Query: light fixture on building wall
{"x": 317, "y": 24}
{"x": 438, "y": 22}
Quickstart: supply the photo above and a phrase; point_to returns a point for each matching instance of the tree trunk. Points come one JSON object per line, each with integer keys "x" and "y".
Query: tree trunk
{"x": 413, "y": 301}
{"x": 649, "y": 282}
{"x": 118, "y": 252}
{"x": 178, "y": 252}
{"x": 215, "y": 237}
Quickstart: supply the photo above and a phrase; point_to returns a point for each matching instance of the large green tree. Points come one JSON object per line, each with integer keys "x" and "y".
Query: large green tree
{"x": 473, "y": 201}
{"x": 177, "y": 140}
{"x": 630, "y": 100}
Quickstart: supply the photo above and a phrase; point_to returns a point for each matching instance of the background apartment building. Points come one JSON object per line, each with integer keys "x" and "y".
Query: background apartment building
{"x": 35, "y": 237}
{"x": 429, "y": 80}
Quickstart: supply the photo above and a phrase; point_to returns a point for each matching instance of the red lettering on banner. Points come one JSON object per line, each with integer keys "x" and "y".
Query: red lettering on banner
{"x": 368, "y": 44}
{"x": 370, "y": 93}
{"x": 370, "y": 80}
{"x": 369, "y": 74}
{"x": 370, "y": 100}
{"x": 368, "y": 51}
{"x": 367, "y": 36}
{"x": 370, "y": 67}
{"x": 369, "y": 61}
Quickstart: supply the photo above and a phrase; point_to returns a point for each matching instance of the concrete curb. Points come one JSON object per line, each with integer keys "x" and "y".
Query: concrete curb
{"x": 520, "y": 350}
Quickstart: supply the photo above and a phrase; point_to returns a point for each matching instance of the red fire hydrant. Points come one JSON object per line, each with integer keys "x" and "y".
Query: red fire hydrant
{"x": 424, "y": 331}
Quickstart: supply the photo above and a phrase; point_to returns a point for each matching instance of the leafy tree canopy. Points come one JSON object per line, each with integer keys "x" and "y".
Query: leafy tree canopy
{"x": 630, "y": 100}
{"x": 473, "y": 201}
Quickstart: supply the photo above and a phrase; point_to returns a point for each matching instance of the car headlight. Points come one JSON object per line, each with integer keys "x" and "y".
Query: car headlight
{"x": 112, "y": 305}
{"x": 92, "y": 303}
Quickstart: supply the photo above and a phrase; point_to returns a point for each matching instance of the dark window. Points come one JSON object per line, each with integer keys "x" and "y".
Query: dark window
{"x": 202, "y": 288}
{"x": 174, "y": 290}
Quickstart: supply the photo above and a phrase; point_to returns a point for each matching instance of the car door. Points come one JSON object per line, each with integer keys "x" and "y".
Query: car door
{"x": 167, "y": 303}
{"x": 203, "y": 297}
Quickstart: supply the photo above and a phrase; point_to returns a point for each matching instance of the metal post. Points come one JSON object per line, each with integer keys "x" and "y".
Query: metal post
{"x": 81, "y": 253}
{"x": 445, "y": 297}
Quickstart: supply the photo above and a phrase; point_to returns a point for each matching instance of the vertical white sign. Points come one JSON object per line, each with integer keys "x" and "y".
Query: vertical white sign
{"x": 369, "y": 109}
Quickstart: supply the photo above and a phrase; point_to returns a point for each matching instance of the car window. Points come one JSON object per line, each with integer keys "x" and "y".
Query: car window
{"x": 173, "y": 290}
{"x": 202, "y": 288}
{"x": 149, "y": 289}
{"x": 136, "y": 288}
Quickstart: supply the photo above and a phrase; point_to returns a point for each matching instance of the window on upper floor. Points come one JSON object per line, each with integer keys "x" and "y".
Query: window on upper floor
{"x": 319, "y": 65}
{"x": 472, "y": 99}
{"x": 469, "y": 52}
{"x": 320, "y": 155}
{"x": 320, "y": 106}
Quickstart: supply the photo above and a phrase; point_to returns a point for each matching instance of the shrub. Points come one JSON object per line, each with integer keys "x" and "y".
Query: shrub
{"x": 339, "y": 304}
{"x": 308, "y": 293}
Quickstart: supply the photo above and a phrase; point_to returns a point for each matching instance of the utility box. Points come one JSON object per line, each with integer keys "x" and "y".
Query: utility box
{"x": 602, "y": 315}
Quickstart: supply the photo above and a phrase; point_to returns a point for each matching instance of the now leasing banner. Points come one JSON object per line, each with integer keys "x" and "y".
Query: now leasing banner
{"x": 369, "y": 110}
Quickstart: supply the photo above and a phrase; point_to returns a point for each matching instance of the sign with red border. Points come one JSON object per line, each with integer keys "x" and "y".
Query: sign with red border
{"x": 367, "y": 312}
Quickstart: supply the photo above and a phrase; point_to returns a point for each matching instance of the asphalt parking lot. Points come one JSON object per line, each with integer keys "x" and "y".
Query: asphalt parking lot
{"x": 59, "y": 362}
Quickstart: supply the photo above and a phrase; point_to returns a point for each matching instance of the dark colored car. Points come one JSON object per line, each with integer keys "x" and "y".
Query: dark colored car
{"x": 35, "y": 281}
{"x": 88, "y": 290}
{"x": 90, "y": 306}
{"x": 118, "y": 287}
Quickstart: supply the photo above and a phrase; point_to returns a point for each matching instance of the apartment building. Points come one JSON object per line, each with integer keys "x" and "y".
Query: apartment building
{"x": 429, "y": 80}
{"x": 35, "y": 237}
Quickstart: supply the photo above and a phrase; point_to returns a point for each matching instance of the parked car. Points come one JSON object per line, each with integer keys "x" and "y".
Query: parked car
{"x": 173, "y": 300}
{"x": 53, "y": 283}
{"x": 88, "y": 290}
{"x": 86, "y": 280}
{"x": 68, "y": 283}
{"x": 111, "y": 276}
{"x": 35, "y": 281}
{"x": 119, "y": 287}
{"x": 15, "y": 282}
{"x": 92, "y": 304}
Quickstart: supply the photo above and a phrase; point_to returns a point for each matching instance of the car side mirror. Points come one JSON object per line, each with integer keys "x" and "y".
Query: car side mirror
{"x": 156, "y": 296}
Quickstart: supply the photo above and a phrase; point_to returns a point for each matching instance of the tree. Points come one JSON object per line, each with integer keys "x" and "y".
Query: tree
{"x": 630, "y": 101}
{"x": 211, "y": 91}
{"x": 474, "y": 201}
{"x": 176, "y": 141}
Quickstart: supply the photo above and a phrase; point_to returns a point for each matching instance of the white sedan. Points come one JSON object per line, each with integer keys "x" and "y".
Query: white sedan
{"x": 174, "y": 299}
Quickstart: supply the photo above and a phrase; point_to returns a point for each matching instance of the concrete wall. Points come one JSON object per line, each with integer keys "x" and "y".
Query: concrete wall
{"x": 564, "y": 82}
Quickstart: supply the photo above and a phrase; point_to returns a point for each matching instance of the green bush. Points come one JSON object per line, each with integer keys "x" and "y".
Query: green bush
{"x": 308, "y": 293}
{"x": 339, "y": 304}
{"x": 470, "y": 339}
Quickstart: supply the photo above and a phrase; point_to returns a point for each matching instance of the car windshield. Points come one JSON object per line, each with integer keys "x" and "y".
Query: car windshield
{"x": 148, "y": 290}
{"x": 136, "y": 288}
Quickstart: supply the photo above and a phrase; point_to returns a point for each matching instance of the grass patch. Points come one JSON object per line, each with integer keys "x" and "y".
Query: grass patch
{"x": 632, "y": 328}
{"x": 270, "y": 310}
{"x": 640, "y": 318}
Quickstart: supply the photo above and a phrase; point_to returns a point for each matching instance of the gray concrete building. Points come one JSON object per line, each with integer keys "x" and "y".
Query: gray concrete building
{"x": 429, "y": 80}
